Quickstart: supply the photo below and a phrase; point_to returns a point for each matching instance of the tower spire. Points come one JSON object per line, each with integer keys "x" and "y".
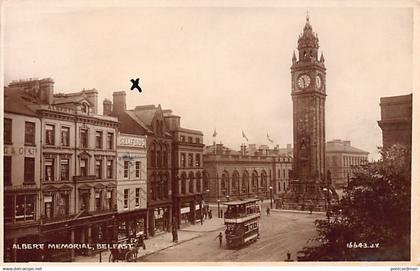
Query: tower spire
{"x": 307, "y": 15}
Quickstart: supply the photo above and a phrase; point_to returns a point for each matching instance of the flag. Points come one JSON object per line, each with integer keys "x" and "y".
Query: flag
{"x": 269, "y": 139}
{"x": 244, "y": 136}
{"x": 214, "y": 133}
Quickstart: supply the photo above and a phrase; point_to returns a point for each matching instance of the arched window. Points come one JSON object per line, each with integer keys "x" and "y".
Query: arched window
{"x": 235, "y": 182}
{"x": 198, "y": 181}
{"x": 159, "y": 156}
{"x": 159, "y": 186}
{"x": 245, "y": 181}
{"x": 254, "y": 185}
{"x": 191, "y": 182}
{"x": 153, "y": 155}
{"x": 153, "y": 187}
{"x": 165, "y": 184}
{"x": 183, "y": 183}
{"x": 263, "y": 181}
{"x": 165, "y": 156}
{"x": 225, "y": 182}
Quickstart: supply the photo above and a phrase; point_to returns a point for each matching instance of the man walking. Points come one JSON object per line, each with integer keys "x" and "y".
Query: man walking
{"x": 220, "y": 236}
{"x": 268, "y": 211}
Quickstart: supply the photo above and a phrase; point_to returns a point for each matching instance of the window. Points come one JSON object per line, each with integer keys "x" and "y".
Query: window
{"x": 98, "y": 141}
{"x": 190, "y": 140}
{"x": 25, "y": 207}
{"x": 84, "y": 108}
{"x": 191, "y": 183}
{"x": 48, "y": 206}
{"x": 197, "y": 140}
{"x": 83, "y": 167}
{"x": 159, "y": 158}
{"x": 197, "y": 160}
{"x": 110, "y": 141}
{"x": 165, "y": 157}
{"x": 7, "y": 131}
{"x": 64, "y": 165}
{"x": 29, "y": 171}
{"x": 278, "y": 173}
{"x": 109, "y": 200}
{"x": 98, "y": 169}
{"x": 137, "y": 197}
{"x": 284, "y": 173}
{"x": 137, "y": 169}
{"x": 182, "y": 138}
{"x": 190, "y": 160}
{"x": 49, "y": 170}
{"x": 126, "y": 198}
{"x": 183, "y": 160}
{"x": 49, "y": 134}
{"x": 84, "y": 138}
{"x": 183, "y": 184}
{"x": 98, "y": 200}
{"x": 109, "y": 169}
{"x": 65, "y": 136}
{"x": 63, "y": 204}
{"x": 7, "y": 170}
{"x": 126, "y": 165}
{"x": 29, "y": 133}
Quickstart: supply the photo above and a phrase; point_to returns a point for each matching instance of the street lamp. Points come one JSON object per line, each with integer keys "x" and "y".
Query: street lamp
{"x": 327, "y": 199}
{"x": 218, "y": 208}
{"x": 271, "y": 197}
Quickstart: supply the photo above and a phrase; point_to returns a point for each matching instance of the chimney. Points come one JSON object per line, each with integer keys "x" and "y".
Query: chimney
{"x": 107, "y": 106}
{"x": 46, "y": 90}
{"x": 92, "y": 97}
{"x": 119, "y": 102}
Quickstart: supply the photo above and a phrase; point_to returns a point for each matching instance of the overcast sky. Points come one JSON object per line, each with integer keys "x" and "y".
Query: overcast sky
{"x": 219, "y": 67}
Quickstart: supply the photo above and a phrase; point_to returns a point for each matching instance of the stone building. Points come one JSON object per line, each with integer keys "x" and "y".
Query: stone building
{"x": 188, "y": 185}
{"x": 396, "y": 120}
{"x": 131, "y": 185}
{"x": 77, "y": 167}
{"x": 21, "y": 174}
{"x": 240, "y": 174}
{"x": 342, "y": 160}
{"x": 149, "y": 120}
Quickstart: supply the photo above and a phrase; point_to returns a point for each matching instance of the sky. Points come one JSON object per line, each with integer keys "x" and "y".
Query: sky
{"x": 218, "y": 67}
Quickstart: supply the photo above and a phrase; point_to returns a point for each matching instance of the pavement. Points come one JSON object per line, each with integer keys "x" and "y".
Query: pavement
{"x": 164, "y": 240}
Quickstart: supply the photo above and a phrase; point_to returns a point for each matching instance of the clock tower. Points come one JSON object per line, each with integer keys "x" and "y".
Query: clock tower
{"x": 308, "y": 96}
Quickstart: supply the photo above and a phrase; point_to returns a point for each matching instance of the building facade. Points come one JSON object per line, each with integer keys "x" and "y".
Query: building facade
{"x": 131, "y": 185}
{"x": 149, "y": 120}
{"x": 240, "y": 174}
{"x": 396, "y": 120}
{"x": 21, "y": 174}
{"x": 342, "y": 160}
{"x": 188, "y": 186}
{"x": 77, "y": 168}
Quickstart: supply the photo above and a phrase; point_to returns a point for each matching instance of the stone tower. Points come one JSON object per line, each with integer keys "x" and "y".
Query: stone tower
{"x": 308, "y": 95}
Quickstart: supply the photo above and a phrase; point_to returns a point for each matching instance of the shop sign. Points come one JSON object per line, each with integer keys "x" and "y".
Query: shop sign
{"x": 20, "y": 150}
{"x": 47, "y": 199}
{"x": 185, "y": 210}
{"x": 197, "y": 207}
{"x": 131, "y": 141}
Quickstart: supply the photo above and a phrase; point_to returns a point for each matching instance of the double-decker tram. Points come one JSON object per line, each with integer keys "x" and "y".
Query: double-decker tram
{"x": 241, "y": 220}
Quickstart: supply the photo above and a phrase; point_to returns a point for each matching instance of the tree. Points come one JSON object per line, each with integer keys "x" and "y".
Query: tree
{"x": 374, "y": 211}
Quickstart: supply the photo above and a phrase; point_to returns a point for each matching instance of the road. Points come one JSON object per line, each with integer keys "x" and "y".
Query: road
{"x": 280, "y": 232}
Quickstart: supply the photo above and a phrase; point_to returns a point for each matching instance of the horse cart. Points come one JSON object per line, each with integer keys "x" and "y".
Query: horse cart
{"x": 128, "y": 254}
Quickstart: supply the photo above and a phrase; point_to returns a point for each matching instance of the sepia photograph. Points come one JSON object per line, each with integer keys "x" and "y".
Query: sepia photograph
{"x": 209, "y": 132}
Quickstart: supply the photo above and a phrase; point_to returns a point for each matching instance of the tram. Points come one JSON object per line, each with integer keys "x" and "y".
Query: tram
{"x": 241, "y": 221}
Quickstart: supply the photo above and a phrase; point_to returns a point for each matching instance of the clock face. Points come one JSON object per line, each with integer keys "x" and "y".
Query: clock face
{"x": 304, "y": 81}
{"x": 318, "y": 82}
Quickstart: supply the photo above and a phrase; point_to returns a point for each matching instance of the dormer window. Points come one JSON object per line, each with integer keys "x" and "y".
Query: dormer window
{"x": 84, "y": 108}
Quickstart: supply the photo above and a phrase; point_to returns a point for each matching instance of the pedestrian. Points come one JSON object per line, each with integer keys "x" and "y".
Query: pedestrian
{"x": 210, "y": 214}
{"x": 268, "y": 211}
{"x": 220, "y": 236}
{"x": 201, "y": 219}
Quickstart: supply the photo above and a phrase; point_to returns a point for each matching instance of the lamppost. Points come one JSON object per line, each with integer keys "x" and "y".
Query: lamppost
{"x": 271, "y": 197}
{"x": 218, "y": 208}
{"x": 327, "y": 199}
{"x": 100, "y": 239}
